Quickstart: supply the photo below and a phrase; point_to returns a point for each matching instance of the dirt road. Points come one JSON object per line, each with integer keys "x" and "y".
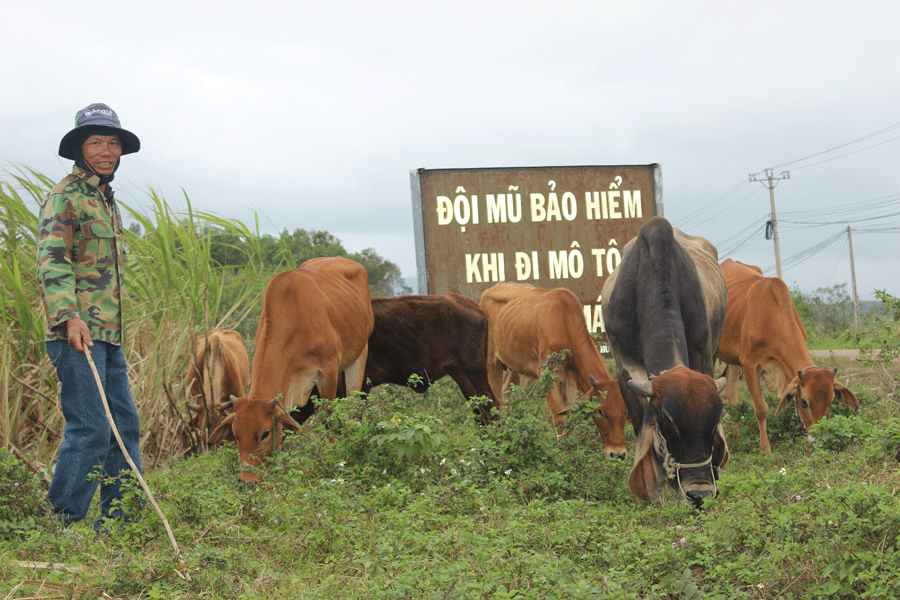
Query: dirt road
{"x": 841, "y": 353}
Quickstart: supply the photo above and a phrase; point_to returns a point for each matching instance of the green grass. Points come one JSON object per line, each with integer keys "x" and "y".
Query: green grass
{"x": 498, "y": 512}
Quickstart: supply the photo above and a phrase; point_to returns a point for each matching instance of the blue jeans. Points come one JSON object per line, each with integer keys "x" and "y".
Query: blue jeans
{"x": 89, "y": 443}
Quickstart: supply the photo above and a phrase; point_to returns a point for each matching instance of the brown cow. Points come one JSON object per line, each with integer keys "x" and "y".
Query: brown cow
{"x": 664, "y": 309}
{"x": 765, "y": 338}
{"x": 315, "y": 324}
{"x": 213, "y": 381}
{"x": 525, "y": 326}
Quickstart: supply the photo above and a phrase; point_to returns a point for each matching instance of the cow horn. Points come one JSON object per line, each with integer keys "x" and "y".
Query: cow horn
{"x": 642, "y": 388}
{"x": 228, "y": 403}
{"x": 274, "y": 402}
{"x": 193, "y": 407}
{"x": 720, "y": 384}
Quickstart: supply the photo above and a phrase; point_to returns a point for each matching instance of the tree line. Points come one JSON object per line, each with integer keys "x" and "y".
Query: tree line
{"x": 228, "y": 250}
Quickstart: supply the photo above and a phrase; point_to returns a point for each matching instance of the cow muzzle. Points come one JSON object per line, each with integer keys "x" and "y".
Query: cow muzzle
{"x": 249, "y": 466}
{"x": 699, "y": 486}
{"x": 617, "y": 453}
{"x": 697, "y": 496}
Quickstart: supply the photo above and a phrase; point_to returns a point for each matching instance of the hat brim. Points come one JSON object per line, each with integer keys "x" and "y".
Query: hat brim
{"x": 70, "y": 145}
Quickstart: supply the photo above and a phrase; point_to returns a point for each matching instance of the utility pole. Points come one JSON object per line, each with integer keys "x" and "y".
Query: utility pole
{"x": 772, "y": 182}
{"x": 853, "y": 278}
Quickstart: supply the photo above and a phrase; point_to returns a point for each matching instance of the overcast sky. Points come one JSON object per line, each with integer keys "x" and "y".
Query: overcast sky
{"x": 313, "y": 114}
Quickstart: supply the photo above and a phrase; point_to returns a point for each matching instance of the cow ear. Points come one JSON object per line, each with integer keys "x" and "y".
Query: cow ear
{"x": 222, "y": 432}
{"x": 844, "y": 395}
{"x": 287, "y": 421}
{"x": 789, "y": 396}
{"x": 720, "y": 454}
{"x": 646, "y": 478}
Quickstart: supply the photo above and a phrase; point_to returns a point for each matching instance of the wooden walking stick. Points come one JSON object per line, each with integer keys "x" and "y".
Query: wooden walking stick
{"x": 134, "y": 468}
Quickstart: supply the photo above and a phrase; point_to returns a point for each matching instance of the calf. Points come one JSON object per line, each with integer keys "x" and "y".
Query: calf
{"x": 525, "y": 326}
{"x": 765, "y": 338}
{"x": 215, "y": 375}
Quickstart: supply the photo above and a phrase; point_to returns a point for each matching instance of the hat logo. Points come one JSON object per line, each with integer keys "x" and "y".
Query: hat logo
{"x": 98, "y": 110}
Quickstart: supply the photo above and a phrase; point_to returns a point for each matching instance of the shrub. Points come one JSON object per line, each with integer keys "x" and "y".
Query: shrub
{"x": 839, "y": 432}
{"x": 880, "y": 343}
{"x": 22, "y": 504}
{"x": 407, "y": 438}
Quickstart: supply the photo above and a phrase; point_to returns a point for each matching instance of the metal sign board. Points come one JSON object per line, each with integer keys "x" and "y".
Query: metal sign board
{"x": 548, "y": 226}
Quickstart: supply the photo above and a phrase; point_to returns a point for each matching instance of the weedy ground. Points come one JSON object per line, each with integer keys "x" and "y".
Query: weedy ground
{"x": 401, "y": 495}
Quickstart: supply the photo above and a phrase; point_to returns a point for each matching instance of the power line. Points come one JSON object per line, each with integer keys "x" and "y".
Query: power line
{"x": 865, "y": 137}
{"x": 686, "y": 222}
{"x": 806, "y": 254}
{"x": 727, "y": 208}
{"x": 854, "y": 213}
{"x": 742, "y": 243}
{"x": 840, "y": 221}
{"x": 847, "y": 154}
{"x": 847, "y": 209}
{"x": 812, "y": 251}
{"x": 878, "y": 229}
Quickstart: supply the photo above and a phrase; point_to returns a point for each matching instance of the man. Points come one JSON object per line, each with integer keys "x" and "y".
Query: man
{"x": 80, "y": 272}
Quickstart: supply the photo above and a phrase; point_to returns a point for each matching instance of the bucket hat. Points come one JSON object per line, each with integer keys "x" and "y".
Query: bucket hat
{"x": 96, "y": 119}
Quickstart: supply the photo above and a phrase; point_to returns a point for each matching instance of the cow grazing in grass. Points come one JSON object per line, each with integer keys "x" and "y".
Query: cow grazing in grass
{"x": 315, "y": 325}
{"x": 664, "y": 309}
{"x": 526, "y": 325}
{"x": 432, "y": 337}
{"x": 219, "y": 369}
{"x": 426, "y": 338}
{"x": 765, "y": 339}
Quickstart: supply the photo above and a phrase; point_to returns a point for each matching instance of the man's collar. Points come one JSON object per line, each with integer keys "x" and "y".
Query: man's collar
{"x": 90, "y": 178}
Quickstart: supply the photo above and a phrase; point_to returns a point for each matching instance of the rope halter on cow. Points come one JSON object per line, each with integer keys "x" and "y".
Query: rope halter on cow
{"x": 673, "y": 467}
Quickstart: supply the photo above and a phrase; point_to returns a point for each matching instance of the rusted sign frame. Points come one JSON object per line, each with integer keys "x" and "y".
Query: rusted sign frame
{"x": 500, "y": 223}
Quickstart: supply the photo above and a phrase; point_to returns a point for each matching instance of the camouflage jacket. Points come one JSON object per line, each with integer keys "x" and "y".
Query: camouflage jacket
{"x": 81, "y": 258}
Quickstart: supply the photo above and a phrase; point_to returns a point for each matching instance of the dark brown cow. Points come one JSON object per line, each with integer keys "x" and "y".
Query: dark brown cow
{"x": 212, "y": 382}
{"x": 525, "y": 326}
{"x": 765, "y": 338}
{"x": 429, "y": 336}
{"x": 663, "y": 309}
{"x": 315, "y": 324}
